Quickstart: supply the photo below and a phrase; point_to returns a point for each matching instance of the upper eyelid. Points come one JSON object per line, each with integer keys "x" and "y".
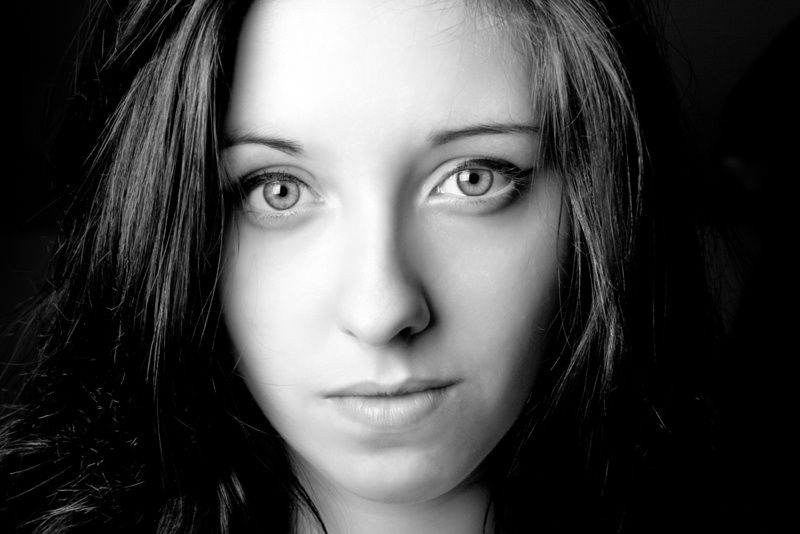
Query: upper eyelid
{"x": 264, "y": 173}
{"x": 478, "y": 163}
{"x": 259, "y": 177}
{"x": 492, "y": 164}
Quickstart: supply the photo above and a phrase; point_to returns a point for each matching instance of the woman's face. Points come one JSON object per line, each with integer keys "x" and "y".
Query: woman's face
{"x": 392, "y": 269}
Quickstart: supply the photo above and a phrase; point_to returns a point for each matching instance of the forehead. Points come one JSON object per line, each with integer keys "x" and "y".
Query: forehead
{"x": 306, "y": 64}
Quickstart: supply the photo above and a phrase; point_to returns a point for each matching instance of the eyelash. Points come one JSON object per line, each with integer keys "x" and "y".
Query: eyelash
{"x": 519, "y": 182}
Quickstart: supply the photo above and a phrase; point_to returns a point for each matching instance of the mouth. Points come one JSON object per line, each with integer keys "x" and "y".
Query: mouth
{"x": 393, "y": 407}
{"x": 405, "y": 388}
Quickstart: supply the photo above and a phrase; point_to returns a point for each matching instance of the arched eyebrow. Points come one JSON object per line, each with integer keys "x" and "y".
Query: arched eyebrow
{"x": 287, "y": 146}
{"x": 443, "y": 137}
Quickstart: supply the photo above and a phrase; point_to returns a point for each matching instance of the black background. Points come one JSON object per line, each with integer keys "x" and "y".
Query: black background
{"x": 711, "y": 45}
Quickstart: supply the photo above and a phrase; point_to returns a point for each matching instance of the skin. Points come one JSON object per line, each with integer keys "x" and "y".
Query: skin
{"x": 384, "y": 270}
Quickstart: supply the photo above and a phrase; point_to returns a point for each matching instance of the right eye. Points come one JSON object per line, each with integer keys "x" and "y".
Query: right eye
{"x": 276, "y": 193}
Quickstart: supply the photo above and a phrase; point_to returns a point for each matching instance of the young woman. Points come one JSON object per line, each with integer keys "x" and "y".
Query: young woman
{"x": 357, "y": 266}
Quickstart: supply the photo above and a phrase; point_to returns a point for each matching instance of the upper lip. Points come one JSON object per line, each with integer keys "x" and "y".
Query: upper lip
{"x": 374, "y": 389}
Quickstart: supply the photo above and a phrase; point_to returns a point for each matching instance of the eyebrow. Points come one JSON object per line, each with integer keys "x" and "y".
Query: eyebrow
{"x": 293, "y": 148}
{"x": 437, "y": 138}
{"x": 448, "y": 136}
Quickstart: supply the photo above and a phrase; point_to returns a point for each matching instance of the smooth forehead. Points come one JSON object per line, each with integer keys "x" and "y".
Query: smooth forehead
{"x": 409, "y": 63}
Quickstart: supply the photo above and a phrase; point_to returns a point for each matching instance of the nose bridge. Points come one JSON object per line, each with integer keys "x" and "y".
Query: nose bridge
{"x": 382, "y": 297}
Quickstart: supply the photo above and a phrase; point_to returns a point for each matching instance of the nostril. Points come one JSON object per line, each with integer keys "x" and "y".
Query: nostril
{"x": 406, "y": 333}
{"x": 423, "y": 321}
{"x": 380, "y": 319}
{"x": 409, "y": 332}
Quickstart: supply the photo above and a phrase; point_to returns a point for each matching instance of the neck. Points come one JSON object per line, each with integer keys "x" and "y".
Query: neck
{"x": 462, "y": 511}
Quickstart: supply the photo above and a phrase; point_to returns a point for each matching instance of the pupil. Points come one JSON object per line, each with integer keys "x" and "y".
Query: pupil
{"x": 281, "y": 194}
{"x": 474, "y": 182}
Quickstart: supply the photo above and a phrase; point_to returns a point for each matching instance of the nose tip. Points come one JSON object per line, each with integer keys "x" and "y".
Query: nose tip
{"x": 390, "y": 311}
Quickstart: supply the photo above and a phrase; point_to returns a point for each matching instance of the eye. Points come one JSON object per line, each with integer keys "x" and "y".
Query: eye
{"x": 276, "y": 193}
{"x": 483, "y": 178}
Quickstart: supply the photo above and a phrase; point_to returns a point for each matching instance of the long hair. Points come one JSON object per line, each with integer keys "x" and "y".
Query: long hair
{"x": 619, "y": 424}
{"x": 132, "y": 415}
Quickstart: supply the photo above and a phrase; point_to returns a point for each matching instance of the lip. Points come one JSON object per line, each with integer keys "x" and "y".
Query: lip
{"x": 389, "y": 407}
{"x": 374, "y": 389}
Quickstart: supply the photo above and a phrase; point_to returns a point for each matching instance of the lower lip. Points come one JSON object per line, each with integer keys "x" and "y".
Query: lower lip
{"x": 391, "y": 412}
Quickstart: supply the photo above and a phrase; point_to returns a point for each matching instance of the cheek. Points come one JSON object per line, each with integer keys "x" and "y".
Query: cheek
{"x": 497, "y": 277}
{"x": 271, "y": 280}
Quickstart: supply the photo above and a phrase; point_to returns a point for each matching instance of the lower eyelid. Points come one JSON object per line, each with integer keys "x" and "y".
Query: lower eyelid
{"x": 272, "y": 215}
{"x": 277, "y": 219}
{"x": 486, "y": 203}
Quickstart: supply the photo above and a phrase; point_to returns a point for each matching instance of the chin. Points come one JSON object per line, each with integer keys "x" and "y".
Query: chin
{"x": 400, "y": 492}
{"x": 399, "y": 482}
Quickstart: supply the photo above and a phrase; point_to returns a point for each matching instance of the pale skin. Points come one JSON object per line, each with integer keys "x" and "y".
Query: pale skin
{"x": 370, "y": 249}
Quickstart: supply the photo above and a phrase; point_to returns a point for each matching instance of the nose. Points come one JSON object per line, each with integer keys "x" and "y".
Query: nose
{"x": 382, "y": 299}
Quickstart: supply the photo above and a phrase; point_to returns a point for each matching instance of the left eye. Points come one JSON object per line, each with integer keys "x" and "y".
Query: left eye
{"x": 477, "y": 178}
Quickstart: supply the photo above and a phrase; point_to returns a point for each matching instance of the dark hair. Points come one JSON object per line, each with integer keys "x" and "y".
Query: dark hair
{"x": 132, "y": 415}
